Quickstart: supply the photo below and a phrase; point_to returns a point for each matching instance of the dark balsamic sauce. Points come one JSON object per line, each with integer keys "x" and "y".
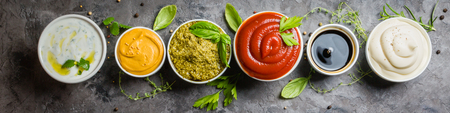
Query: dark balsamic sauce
{"x": 331, "y": 50}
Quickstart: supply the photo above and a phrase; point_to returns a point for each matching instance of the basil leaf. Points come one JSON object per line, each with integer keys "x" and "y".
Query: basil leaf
{"x": 205, "y": 25}
{"x": 223, "y": 53}
{"x": 68, "y": 64}
{"x": 204, "y": 33}
{"x": 294, "y": 88}
{"x": 216, "y": 40}
{"x": 83, "y": 64}
{"x": 124, "y": 26}
{"x": 225, "y": 38}
{"x": 114, "y": 28}
{"x": 232, "y": 17}
{"x": 108, "y": 20}
{"x": 165, "y": 17}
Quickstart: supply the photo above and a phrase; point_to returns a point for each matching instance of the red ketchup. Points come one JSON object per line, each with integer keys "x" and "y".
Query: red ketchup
{"x": 260, "y": 49}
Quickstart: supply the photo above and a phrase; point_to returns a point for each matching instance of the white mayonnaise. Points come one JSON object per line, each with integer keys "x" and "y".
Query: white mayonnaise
{"x": 399, "y": 50}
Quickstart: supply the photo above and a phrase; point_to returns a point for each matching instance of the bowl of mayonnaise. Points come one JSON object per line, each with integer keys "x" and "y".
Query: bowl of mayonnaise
{"x": 398, "y": 49}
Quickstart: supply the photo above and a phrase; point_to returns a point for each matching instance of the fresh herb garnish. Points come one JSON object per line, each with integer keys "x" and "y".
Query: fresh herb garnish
{"x": 228, "y": 86}
{"x": 82, "y": 64}
{"x": 429, "y": 27}
{"x": 115, "y": 26}
{"x": 296, "y": 86}
{"x": 210, "y": 31}
{"x": 286, "y": 24}
{"x": 158, "y": 89}
{"x": 346, "y": 15}
{"x": 165, "y": 17}
{"x": 232, "y": 17}
{"x": 211, "y": 100}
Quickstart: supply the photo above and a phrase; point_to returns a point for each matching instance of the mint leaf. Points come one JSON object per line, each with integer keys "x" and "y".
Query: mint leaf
{"x": 114, "y": 28}
{"x": 232, "y": 17}
{"x": 68, "y": 64}
{"x": 295, "y": 87}
{"x": 108, "y": 20}
{"x": 83, "y": 64}
{"x": 165, "y": 17}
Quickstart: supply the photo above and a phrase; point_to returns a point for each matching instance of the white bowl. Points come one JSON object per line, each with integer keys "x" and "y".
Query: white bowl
{"x": 154, "y": 71}
{"x": 355, "y": 48}
{"x": 86, "y": 74}
{"x": 292, "y": 69}
{"x": 372, "y": 64}
{"x": 173, "y": 67}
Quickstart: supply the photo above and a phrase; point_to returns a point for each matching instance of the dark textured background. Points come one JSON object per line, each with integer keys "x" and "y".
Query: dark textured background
{"x": 26, "y": 87}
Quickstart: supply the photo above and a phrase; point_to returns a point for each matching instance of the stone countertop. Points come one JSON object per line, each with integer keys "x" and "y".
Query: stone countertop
{"x": 26, "y": 87}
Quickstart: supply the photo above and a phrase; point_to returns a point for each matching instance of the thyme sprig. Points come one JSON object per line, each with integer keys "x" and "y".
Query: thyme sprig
{"x": 429, "y": 26}
{"x": 345, "y": 15}
{"x": 158, "y": 89}
{"x": 354, "y": 80}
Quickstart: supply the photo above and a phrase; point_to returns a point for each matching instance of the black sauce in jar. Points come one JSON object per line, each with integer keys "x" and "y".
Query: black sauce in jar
{"x": 331, "y": 50}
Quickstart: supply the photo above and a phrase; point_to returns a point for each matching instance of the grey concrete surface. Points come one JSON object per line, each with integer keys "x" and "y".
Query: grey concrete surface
{"x": 26, "y": 87}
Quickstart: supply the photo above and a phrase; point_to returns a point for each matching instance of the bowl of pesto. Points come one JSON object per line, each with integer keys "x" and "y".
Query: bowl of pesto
{"x": 197, "y": 59}
{"x": 72, "y": 48}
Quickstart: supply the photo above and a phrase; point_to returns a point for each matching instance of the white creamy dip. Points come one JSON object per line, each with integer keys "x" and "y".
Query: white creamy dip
{"x": 398, "y": 49}
{"x": 70, "y": 38}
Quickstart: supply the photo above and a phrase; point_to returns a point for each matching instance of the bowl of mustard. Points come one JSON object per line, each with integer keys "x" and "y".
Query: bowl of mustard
{"x": 140, "y": 52}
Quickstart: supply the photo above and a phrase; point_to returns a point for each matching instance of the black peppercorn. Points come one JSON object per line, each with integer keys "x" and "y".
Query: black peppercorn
{"x": 310, "y": 34}
{"x": 116, "y": 109}
{"x": 445, "y": 10}
{"x": 142, "y": 4}
{"x": 438, "y": 51}
{"x": 329, "y": 107}
{"x": 442, "y": 17}
{"x": 136, "y": 15}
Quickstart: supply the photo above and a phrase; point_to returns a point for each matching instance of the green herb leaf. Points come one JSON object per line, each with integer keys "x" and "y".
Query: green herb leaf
{"x": 289, "y": 23}
{"x": 229, "y": 93}
{"x": 83, "y": 64}
{"x": 205, "y": 25}
{"x": 165, "y": 17}
{"x": 114, "y": 28}
{"x": 288, "y": 39}
{"x": 68, "y": 64}
{"x": 205, "y": 33}
{"x": 79, "y": 72}
{"x": 225, "y": 38}
{"x": 294, "y": 88}
{"x": 108, "y": 20}
{"x": 232, "y": 17}
{"x": 158, "y": 89}
{"x": 223, "y": 53}
{"x": 124, "y": 26}
{"x": 211, "y": 100}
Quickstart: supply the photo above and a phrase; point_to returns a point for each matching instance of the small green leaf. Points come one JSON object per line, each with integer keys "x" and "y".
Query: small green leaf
{"x": 124, "y": 26}
{"x": 210, "y": 100}
{"x": 114, "y": 29}
{"x": 289, "y": 23}
{"x": 225, "y": 38}
{"x": 294, "y": 88}
{"x": 165, "y": 17}
{"x": 205, "y": 25}
{"x": 205, "y": 33}
{"x": 108, "y": 21}
{"x": 223, "y": 53}
{"x": 232, "y": 17}
{"x": 83, "y": 64}
{"x": 79, "y": 72}
{"x": 287, "y": 38}
{"x": 68, "y": 64}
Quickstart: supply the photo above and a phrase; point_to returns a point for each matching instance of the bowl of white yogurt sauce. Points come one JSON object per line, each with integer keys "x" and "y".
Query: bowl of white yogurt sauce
{"x": 398, "y": 49}
{"x": 71, "y": 37}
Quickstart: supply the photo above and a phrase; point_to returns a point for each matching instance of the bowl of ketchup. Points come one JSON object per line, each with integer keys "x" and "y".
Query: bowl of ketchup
{"x": 260, "y": 51}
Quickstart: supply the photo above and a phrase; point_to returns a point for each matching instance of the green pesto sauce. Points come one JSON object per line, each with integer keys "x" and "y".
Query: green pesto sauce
{"x": 195, "y": 58}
